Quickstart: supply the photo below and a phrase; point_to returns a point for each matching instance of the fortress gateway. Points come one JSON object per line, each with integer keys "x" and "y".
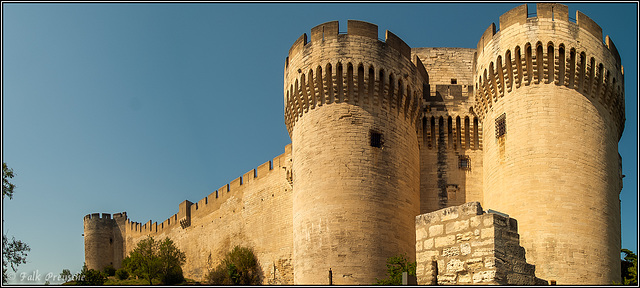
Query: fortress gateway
{"x": 395, "y": 148}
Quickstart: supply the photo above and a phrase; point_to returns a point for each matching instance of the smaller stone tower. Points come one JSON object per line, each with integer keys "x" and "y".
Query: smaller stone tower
{"x": 104, "y": 240}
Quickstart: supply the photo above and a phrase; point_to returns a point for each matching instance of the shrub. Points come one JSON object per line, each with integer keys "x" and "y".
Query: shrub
{"x": 122, "y": 274}
{"x": 90, "y": 277}
{"x": 109, "y": 271}
{"x": 395, "y": 266}
{"x": 239, "y": 267}
{"x": 174, "y": 276}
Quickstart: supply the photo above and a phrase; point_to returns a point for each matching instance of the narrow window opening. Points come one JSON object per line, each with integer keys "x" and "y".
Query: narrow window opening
{"x": 432, "y": 137}
{"x": 501, "y": 125}
{"x": 552, "y": 15}
{"x": 476, "y": 140}
{"x": 376, "y": 139}
{"x": 425, "y": 138}
{"x": 441, "y": 142}
{"x": 454, "y": 81}
{"x": 110, "y": 240}
{"x": 464, "y": 163}
{"x": 216, "y": 194}
{"x": 467, "y": 136}
{"x": 449, "y": 132}
{"x": 458, "y": 133}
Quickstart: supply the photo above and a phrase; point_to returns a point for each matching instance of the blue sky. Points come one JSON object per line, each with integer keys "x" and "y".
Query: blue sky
{"x": 136, "y": 107}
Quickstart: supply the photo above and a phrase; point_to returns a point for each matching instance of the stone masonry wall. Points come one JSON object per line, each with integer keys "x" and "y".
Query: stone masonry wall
{"x": 451, "y": 132}
{"x": 463, "y": 245}
{"x": 253, "y": 212}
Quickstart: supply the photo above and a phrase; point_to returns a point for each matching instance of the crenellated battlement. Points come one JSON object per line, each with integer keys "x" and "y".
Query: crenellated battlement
{"x": 355, "y": 68}
{"x": 187, "y": 210}
{"x": 549, "y": 49}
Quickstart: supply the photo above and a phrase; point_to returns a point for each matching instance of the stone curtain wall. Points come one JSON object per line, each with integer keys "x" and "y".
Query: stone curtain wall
{"x": 255, "y": 212}
{"x": 464, "y": 245}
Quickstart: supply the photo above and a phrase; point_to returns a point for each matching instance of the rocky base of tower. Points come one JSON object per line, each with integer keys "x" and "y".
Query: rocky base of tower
{"x": 464, "y": 245}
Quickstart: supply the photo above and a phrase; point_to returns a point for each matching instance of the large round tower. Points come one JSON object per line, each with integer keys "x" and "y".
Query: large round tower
{"x": 550, "y": 94}
{"x": 351, "y": 108}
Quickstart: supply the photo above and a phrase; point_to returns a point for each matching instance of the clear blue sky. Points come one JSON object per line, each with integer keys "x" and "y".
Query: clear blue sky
{"x": 137, "y": 107}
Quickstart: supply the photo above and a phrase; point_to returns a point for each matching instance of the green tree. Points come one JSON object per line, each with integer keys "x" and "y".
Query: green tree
{"x": 7, "y": 187}
{"x": 395, "y": 266}
{"x": 156, "y": 259}
{"x": 171, "y": 259}
{"x": 109, "y": 271}
{"x": 143, "y": 261}
{"x": 89, "y": 277}
{"x": 629, "y": 268}
{"x": 239, "y": 267}
{"x": 122, "y": 274}
{"x": 65, "y": 275}
{"x": 14, "y": 252}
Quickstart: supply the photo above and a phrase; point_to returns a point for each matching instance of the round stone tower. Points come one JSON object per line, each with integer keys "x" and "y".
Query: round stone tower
{"x": 103, "y": 240}
{"x": 351, "y": 108}
{"x": 550, "y": 94}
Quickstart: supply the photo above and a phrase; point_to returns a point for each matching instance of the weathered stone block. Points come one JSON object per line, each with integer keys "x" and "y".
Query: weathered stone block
{"x": 465, "y": 249}
{"x": 450, "y": 213}
{"x": 445, "y": 241}
{"x": 436, "y": 230}
{"x": 449, "y": 278}
{"x": 464, "y": 278}
{"x": 421, "y": 233}
{"x": 428, "y": 244}
{"x": 453, "y": 227}
{"x": 475, "y": 264}
{"x": 490, "y": 262}
{"x": 483, "y": 252}
{"x": 475, "y": 221}
{"x": 463, "y": 237}
{"x": 484, "y": 276}
{"x": 450, "y": 252}
{"x": 454, "y": 266}
{"x": 487, "y": 233}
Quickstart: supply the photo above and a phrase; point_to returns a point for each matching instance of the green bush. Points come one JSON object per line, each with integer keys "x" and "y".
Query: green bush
{"x": 174, "y": 276}
{"x": 395, "y": 266}
{"x": 122, "y": 274}
{"x": 90, "y": 277}
{"x": 109, "y": 271}
{"x": 239, "y": 267}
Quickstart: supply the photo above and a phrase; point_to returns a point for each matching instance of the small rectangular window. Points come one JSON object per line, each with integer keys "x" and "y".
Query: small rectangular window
{"x": 454, "y": 81}
{"x": 501, "y": 125}
{"x": 376, "y": 139}
{"x": 464, "y": 162}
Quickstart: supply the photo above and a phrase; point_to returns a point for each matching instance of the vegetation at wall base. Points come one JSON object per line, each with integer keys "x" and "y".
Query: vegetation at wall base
{"x": 629, "y": 268}
{"x": 156, "y": 260}
{"x": 395, "y": 266}
{"x": 239, "y": 267}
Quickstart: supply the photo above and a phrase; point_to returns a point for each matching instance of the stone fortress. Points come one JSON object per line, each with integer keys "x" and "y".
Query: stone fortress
{"x": 398, "y": 149}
